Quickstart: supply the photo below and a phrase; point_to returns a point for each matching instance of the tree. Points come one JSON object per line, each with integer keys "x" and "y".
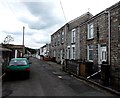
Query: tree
{"x": 8, "y": 39}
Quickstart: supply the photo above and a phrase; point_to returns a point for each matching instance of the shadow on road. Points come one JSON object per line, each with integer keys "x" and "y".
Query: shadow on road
{"x": 16, "y": 77}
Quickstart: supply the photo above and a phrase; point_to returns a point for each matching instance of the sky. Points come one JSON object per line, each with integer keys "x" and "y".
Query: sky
{"x": 41, "y": 18}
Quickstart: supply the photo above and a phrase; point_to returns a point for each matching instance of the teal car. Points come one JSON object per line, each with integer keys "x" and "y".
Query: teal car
{"x": 18, "y": 66}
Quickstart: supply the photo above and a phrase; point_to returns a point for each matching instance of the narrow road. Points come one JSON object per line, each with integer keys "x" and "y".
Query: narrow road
{"x": 47, "y": 80}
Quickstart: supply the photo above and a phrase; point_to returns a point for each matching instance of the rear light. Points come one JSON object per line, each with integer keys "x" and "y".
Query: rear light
{"x": 27, "y": 69}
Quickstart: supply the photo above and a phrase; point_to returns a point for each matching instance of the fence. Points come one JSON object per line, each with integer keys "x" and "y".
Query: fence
{"x": 78, "y": 68}
{"x": 106, "y": 76}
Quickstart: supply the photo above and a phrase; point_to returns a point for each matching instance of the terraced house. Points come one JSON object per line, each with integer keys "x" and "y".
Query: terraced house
{"x": 58, "y": 44}
{"x": 91, "y": 38}
{"x": 100, "y": 38}
{"x": 64, "y": 42}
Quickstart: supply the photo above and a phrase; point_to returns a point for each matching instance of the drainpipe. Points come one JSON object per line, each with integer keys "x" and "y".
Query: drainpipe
{"x": 109, "y": 37}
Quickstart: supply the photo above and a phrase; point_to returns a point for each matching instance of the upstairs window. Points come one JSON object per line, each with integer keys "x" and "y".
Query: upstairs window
{"x": 90, "y": 31}
{"x": 58, "y": 39}
{"x": 62, "y": 37}
{"x": 73, "y": 33}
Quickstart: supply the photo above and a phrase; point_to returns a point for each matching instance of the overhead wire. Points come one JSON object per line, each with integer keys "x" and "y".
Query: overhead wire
{"x": 63, "y": 10}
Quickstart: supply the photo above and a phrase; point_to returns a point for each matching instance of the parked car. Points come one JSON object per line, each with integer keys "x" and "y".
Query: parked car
{"x": 18, "y": 66}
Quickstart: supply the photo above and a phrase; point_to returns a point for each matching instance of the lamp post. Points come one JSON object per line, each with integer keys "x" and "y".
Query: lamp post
{"x": 23, "y": 41}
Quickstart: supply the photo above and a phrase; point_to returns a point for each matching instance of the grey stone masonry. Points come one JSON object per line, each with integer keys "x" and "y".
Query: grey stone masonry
{"x": 106, "y": 33}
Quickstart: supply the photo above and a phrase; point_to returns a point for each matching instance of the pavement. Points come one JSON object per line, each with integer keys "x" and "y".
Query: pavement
{"x": 90, "y": 81}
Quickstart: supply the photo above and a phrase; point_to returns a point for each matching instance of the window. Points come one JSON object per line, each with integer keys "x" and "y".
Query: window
{"x": 73, "y": 49}
{"x": 73, "y": 52}
{"x": 103, "y": 53}
{"x": 90, "y": 52}
{"x": 58, "y": 38}
{"x": 55, "y": 40}
{"x": 73, "y": 36}
{"x": 17, "y": 63}
{"x": 90, "y": 31}
{"x": 62, "y": 36}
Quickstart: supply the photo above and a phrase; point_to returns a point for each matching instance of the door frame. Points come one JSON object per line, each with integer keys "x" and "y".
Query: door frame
{"x": 102, "y": 53}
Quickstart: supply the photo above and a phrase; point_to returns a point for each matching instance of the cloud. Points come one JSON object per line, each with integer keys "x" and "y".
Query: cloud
{"x": 40, "y": 18}
{"x": 45, "y": 14}
{"x": 18, "y": 33}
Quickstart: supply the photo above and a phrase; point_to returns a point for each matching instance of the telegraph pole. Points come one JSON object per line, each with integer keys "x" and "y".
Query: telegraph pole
{"x": 23, "y": 42}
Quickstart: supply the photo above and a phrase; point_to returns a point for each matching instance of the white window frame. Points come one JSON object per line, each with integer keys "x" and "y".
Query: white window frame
{"x": 89, "y": 49}
{"x": 73, "y": 36}
{"x": 62, "y": 36}
{"x": 90, "y": 34}
{"x": 73, "y": 52}
{"x": 58, "y": 40}
{"x": 104, "y": 53}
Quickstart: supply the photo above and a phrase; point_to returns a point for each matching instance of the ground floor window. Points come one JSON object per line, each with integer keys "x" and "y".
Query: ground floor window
{"x": 90, "y": 53}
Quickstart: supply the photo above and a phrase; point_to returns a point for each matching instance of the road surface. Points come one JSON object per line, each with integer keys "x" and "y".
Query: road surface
{"x": 48, "y": 80}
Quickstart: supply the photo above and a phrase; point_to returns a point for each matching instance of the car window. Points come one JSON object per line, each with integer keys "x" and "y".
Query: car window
{"x": 17, "y": 63}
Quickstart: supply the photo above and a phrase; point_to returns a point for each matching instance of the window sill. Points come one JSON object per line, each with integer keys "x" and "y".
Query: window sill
{"x": 90, "y": 39}
{"x": 90, "y": 60}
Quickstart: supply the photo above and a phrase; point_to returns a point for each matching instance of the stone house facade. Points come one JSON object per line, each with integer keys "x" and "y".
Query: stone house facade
{"x": 58, "y": 44}
{"x": 91, "y": 39}
{"x": 64, "y": 42}
{"x": 99, "y": 41}
{"x": 44, "y": 50}
{"x": 99, "y": 37}
{"x": 72, "y": 39}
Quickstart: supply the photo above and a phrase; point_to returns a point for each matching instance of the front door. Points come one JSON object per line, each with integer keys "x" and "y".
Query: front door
{"x": 102, "y": 54}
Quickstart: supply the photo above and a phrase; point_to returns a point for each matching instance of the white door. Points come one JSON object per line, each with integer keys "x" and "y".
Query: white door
{"x": 103, "y": 54}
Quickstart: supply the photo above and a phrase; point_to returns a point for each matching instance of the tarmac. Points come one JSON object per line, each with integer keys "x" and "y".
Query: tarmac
{"x": 91, "y": 82}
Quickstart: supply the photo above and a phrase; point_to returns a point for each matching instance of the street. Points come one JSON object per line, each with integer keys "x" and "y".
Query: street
{"x": 48, "y": 80}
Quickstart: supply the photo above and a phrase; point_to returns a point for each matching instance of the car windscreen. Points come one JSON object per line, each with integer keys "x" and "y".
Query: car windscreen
{"x": 17, "y": 63}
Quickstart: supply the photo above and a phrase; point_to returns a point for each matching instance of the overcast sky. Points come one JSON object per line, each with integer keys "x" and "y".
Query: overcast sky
{"x": 42, "y": 18}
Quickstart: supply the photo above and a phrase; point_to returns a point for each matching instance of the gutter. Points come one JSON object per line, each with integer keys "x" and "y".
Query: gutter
{"x": 109, "y": 37}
